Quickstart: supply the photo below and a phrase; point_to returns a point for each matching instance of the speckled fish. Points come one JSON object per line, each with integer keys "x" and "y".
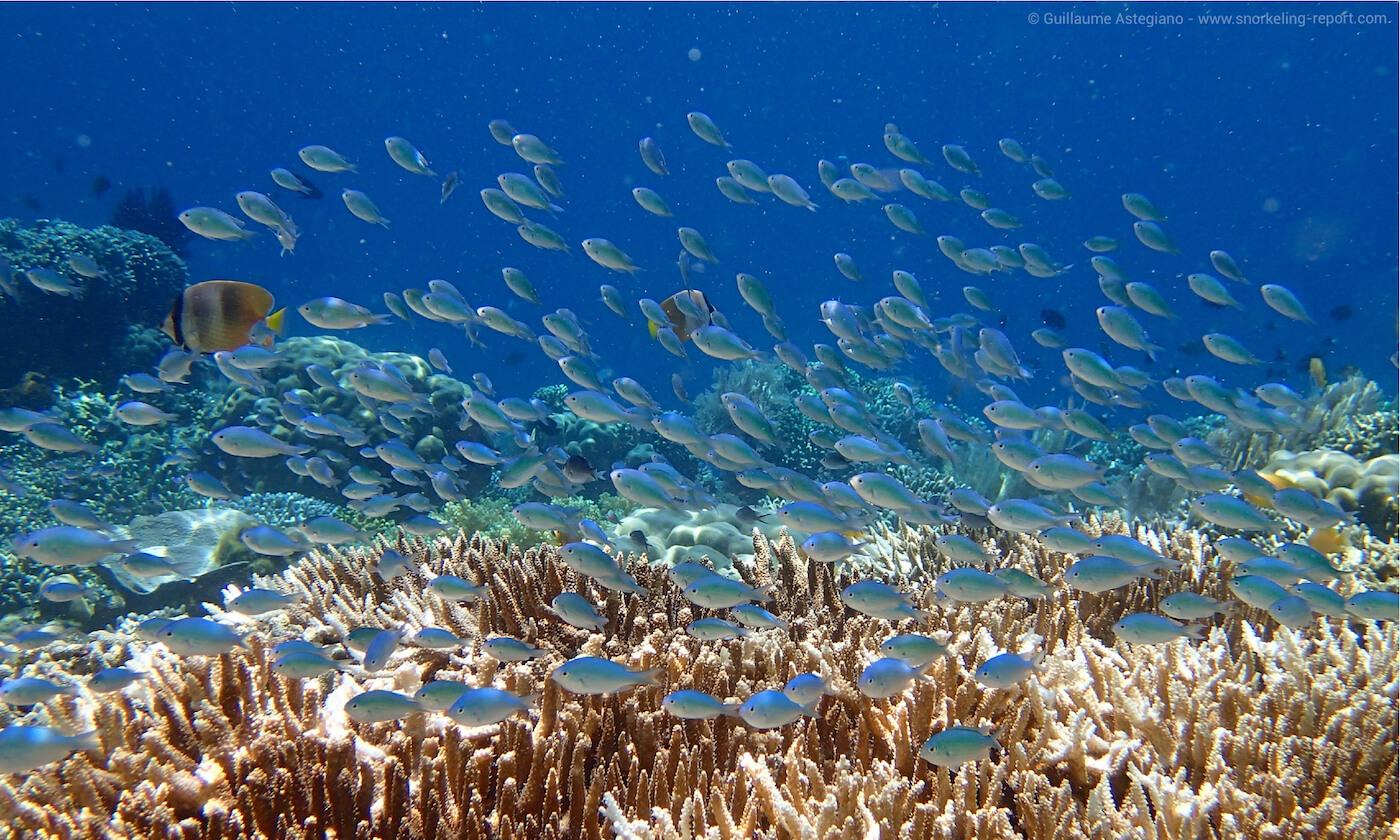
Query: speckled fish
{"x": 592, "y": 675}
{"x": 772, "y": 710}
{"x": 1151, "y": 629}
{"x": 958, "y": 745}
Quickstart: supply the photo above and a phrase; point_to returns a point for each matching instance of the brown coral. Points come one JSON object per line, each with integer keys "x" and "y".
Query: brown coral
{"x": 1251, "y": 733}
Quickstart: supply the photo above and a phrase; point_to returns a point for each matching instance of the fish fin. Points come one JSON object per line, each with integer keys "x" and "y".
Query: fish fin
{"x": 276, "y": 320}
{"x": 86, "y": 741}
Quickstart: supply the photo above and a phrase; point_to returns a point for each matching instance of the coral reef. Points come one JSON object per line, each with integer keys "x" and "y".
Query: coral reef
{"x": 710, "y": 537}
{"x": 491, "y": 516}
{"x": 1367, "y": 489}
{"x": 154, "y": 215}
{"x": 83, "y": 336}
{"x": 1256, "y": 731}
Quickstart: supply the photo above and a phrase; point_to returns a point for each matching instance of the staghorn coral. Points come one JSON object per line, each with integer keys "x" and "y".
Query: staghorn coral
{"x": 1250, "y": 733}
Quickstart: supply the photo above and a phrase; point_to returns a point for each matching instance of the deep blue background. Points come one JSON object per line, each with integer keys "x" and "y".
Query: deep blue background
{"x": 1277, "y": 143}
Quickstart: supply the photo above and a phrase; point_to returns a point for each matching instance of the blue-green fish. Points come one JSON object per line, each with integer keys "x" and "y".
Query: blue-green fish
{"x": 379, "y": 706}
{"x": 592, "y": 675}
{"x": 958, "y": 745}
{"x": 1151, "y": 629}
{"x": 485, "y": 706}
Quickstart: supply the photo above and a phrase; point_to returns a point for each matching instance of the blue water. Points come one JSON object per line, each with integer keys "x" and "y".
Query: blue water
{"x": 1274, "y": 142}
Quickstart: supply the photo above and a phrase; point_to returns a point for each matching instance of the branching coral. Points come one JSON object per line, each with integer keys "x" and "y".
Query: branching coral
{"x": 1245, "y": 734}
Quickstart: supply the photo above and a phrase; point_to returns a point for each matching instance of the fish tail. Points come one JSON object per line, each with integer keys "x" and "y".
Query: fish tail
{"x": 85, "y": 741}
{"x": 276, "y": 320}
{"x": 651, "y": 677}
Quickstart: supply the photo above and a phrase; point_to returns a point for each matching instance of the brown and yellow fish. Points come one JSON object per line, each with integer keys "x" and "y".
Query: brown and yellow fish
{"x": 219, "y": 315}
{"x": 683, "y": 324}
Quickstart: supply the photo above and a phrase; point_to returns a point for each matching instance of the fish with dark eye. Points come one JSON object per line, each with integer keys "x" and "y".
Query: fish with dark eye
{"x": 220, "y": 315}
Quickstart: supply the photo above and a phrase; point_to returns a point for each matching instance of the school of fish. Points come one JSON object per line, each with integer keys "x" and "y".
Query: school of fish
{"x": 233, "y": 325}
